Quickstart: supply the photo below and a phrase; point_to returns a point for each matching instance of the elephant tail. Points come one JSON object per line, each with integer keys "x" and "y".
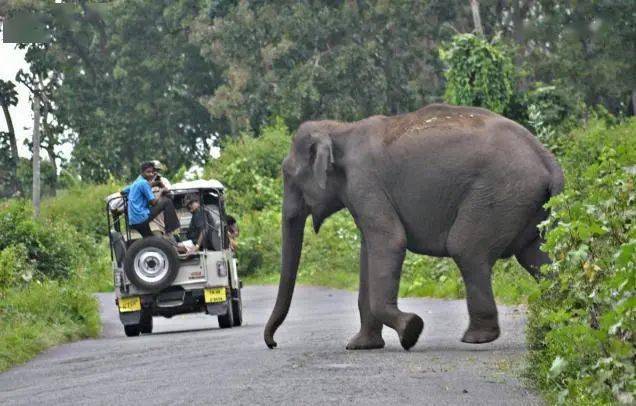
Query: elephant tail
{"x": 557, "y": 180}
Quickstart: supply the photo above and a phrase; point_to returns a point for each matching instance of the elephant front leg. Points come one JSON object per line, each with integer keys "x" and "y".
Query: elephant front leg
{"x": 370, "y": 334}
{"x": 386, "y": 255}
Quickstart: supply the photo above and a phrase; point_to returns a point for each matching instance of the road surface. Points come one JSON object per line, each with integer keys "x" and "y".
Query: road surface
{"x": 189, "y": 360}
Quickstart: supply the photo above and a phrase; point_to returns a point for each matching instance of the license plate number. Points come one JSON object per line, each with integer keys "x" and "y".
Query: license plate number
{"x": 129, "y": 304}
{"x": 214, "y": 295}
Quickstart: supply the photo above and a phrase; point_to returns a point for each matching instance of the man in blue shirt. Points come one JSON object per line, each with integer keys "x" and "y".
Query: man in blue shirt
{"x": 143, "y": 206}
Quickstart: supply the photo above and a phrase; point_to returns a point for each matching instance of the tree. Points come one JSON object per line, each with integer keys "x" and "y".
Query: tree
{"x": 592, "y": 44}
{"x": 35, "y": 83}
{"x": 129, "y": 73}
{"x": 589, "y": 46}
{"x": 337, "y": 60}
{"x": 8, "y": 145}
{"x": 478, "y": 73}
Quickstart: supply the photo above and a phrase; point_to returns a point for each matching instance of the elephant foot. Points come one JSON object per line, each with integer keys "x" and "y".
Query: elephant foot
{"x": 411, "y": 331}
{"x": 480, "y": 335}
{"x": 366, "y": 341}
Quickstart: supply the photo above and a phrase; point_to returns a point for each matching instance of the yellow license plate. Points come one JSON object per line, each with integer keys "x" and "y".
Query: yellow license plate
{"x": 214, "y": 295}
{"x": 129, "y": 304}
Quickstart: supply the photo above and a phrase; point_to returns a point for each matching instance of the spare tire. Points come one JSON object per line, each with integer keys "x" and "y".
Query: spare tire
{"x": 151, "y": 263}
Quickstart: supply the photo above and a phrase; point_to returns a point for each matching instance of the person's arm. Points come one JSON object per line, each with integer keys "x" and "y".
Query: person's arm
{"x": 147, "y": 191}
{"x": 199, "y": 243}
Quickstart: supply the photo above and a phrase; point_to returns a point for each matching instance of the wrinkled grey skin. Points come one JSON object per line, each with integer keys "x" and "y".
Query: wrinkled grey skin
{"x": 444, "y": 181}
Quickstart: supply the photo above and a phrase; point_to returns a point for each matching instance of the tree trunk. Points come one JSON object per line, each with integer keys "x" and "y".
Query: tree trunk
{"x": 50, "y": 150}
{"x": 474, "y": 7}
{"x": 15, "y": 185}
{"x": 36, "y": 154}
{"x": 634, "y": 102}
{"x": 50, "y": 144}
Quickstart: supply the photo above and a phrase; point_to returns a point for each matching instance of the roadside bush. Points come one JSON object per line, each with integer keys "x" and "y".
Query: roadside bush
{"x": 49, "y": 271}
{"x": 15, "y": 267}
{"x": 582, "y": 322}
{"x": 83, "y": 207}
{"x": 553, "y": 110}
{"x": 54, "y": 248}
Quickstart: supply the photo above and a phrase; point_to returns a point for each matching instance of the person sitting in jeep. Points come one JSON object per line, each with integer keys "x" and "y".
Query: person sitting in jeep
{"x": 143, "y": 206}
{"x": 203, "y": 230}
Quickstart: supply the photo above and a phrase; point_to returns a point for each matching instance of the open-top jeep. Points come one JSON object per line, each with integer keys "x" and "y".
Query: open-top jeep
{"x": 152, "y": 278}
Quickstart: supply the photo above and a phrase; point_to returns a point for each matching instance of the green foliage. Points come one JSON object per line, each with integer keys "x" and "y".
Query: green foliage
{"x": 588, "y": 45}
{"x": 8, "y": 142}
{"x": 82, "y": 206}
{"x": 40, "y": 315}
{"x": 15, "y": 267}
{"x": 250, "y": 168}
{"x": 48, "y": 177}
{"x": 131, "y": 84}
{"x": 478, "y": 73}
{"x": 49, "y": 269}
{"x": 54, "y": 248}
{"x": 552, "y": 111}
{"x": 583, "y": 319}
{"x": 337, "y": 60}
{"x": 424, "y": 276}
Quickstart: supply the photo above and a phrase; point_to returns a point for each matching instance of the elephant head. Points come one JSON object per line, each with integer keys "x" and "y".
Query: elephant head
{"x": 311, "y": 187}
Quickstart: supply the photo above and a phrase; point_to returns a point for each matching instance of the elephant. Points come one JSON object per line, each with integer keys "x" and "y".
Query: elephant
{"x": 443, "y": 181}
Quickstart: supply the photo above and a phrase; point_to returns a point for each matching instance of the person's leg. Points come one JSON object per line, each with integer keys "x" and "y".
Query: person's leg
{"x": 158, "y": 222}
{"x": 143, "y": 228}
{"x": 165, "y": 205}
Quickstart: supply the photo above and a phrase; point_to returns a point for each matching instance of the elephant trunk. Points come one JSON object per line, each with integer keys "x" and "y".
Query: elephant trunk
{"x": 292, "y": 241}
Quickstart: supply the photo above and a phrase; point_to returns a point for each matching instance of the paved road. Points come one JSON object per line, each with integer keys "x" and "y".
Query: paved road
{"x": 189, "y": 360}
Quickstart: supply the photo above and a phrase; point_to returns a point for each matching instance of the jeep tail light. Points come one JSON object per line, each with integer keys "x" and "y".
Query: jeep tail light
{"x": 221, "y": 268}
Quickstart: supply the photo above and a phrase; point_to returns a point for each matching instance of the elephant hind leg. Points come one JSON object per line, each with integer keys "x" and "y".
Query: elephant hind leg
{"x": 477, "y": 238}
{"x": 532, "y": 258}
{"x": 482, "y": 309}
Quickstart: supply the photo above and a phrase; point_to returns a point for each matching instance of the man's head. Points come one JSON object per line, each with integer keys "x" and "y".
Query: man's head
{"x": 148, "y": 170}
{"x": 159, "y": 166}
{"x": 192, "y": 203}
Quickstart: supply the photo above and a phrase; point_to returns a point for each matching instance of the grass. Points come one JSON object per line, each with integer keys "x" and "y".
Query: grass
{"x": 333, "y": 279}
{"x": 42, "y": 315}
{"x": 44, "y": 312}
{"x": 511, "y": 283}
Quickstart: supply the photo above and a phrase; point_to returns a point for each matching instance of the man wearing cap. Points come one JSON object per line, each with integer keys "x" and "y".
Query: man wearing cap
{"x": 143, "y": 206}
{"x": 160, "y": 186}
{"x": 203, "y": 230}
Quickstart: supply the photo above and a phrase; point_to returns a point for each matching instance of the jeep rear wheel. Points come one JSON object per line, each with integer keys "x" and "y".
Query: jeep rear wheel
{"x": 227, "y": 320}
{"x": 237, "y": 309}
{"x": 132, "y": 330}
{"x": 151, "y": 264}
{"x": 145, "y": 324}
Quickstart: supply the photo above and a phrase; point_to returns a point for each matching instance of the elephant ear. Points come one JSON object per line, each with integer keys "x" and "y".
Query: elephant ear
{"x": 323, "y": 159}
